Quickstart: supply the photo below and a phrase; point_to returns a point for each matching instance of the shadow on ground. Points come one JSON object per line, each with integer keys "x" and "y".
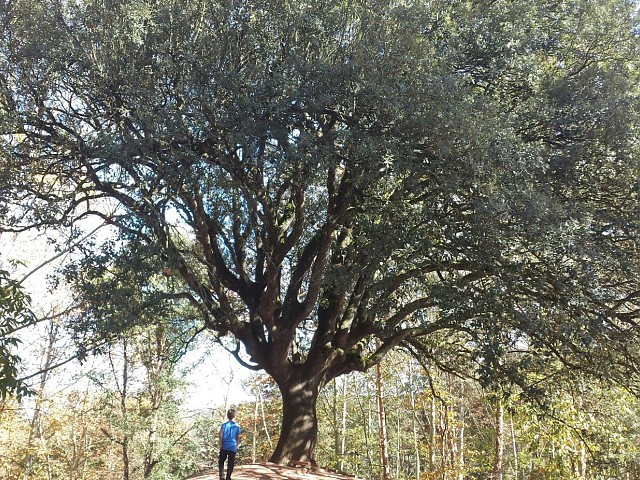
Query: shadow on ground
{"x": 271, "y": 471}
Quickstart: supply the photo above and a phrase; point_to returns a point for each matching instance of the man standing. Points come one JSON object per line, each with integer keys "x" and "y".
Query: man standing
{"x": 229, "y": 438}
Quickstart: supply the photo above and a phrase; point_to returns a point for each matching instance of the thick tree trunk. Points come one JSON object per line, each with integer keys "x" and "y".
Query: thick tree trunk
{"x": 299, "y": 426}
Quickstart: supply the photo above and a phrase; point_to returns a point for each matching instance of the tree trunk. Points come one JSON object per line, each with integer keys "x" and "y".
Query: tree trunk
{"x": 398, "y": 446}
{"x": 369, "y": 426}
{"x": 336, "y": 431}
{"x": 582, "y": 468}
{"x": 515, "y": 450}
{"x": 444, "y": 436}
{"x": 255, "y": 428}
{"x": 498, "y": 458}
{"x": 35, "y": 426}
{"x": 432, "y": 435}
{"x": 126, "y": 467}
{"x": 264, "y": 419}
{"x": 461, "y": 444}
{"x": 343, "y": 431}
{"x": 384, "y": 454}
{"x": 414, "y": 418}
{"x": 299, "y": 426}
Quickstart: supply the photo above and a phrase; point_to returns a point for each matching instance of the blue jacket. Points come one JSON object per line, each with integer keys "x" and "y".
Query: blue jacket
{"x": 229, "y": 431}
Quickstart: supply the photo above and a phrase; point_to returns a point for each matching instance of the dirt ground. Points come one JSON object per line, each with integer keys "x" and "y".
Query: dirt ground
{"x": 271, "y": 471}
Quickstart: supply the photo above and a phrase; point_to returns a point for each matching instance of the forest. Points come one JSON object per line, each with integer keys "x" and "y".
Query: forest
{"x": 434, "y": 426}
{"x": 414, "y": 222}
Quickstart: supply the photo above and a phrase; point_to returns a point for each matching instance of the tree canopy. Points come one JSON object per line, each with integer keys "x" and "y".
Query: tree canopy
{"x": 326, "y": 181}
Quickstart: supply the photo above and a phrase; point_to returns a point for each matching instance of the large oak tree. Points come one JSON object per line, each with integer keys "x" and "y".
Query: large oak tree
{"x": 328, "y": 180}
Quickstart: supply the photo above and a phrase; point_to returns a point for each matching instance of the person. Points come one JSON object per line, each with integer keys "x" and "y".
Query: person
{"x": 229, "y": 437}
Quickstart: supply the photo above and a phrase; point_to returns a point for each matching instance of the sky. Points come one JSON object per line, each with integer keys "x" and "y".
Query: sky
{"x": 214, "y": 378}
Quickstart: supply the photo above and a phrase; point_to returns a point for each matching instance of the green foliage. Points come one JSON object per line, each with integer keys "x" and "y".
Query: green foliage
{"x": 124, "y": 287}
{"x": 14, "y": 313}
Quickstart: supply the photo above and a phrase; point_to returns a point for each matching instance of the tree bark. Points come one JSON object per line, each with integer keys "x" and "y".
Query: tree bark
{"x": 299, "y": 426}
{"x": 498, "y": 458}
{"x": 398, "y": 446}
{"x": 384, "y": 453}
{"x": 414, "y": 417}
{"x": 432, "y": 435}
{"x": 515, "y": 450}
{"x": 336, "y": 431}
{"x": 461, "y": 444}
{"x": 582, "y": 466}
{"x": 255, "y": 428}
{"x": 264, "y": 420}
{"x": 124, "y": 443}
{"x": 343, "y": 430}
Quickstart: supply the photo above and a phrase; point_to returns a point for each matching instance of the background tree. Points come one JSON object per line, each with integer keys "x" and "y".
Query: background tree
{"x": 262, "y": 429}
{"x": 331, "y": 180}
{"x": 130, "y": 310}
{"x": 583, "y": 430}
{"x": 14, "y": 315}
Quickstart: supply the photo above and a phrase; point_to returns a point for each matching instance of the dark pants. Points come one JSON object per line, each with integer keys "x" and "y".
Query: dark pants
{"x": 224, "y": 454}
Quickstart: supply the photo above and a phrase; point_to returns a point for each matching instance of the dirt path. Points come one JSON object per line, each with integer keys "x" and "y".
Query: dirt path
{"x": 271, "y": 471}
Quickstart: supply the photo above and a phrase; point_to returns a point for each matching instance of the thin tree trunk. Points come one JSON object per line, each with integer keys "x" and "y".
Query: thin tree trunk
{"x": 583, "y": 462}
{"x": 122, "y": 385}
{"x": 398, "y": 446}
{"x": 444, "y": 420}
{"x": 461, "y": 445}
{"x": 264, "y": 420}
{"x": 498, "y": 458}
{"x": 35, "y": 426}
{"x": 515, "y": 450}
{"x": 416, "y": 445}
{"x": 365, "y": 413}
{"x": 87, "y": 449}
{"x": 432, "y": 436}
{"x": 336, "y": 430}
{"x": 255, "y": 427}
{"x": 45, "y": 449}
{"x": 384, "y": 454}
{"x": 75, "y": 451}
{"x": 343, "y": 433}
{"x": 149, "y": 461}
{"x": 369, "y": 428}
{"x": 156, "y": 366}
{"x": 123, "y": 405}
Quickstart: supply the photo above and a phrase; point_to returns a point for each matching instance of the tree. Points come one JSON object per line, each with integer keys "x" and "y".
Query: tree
{"x": 382, "y": 423}
{"x": 327, "y": 181}
{"x": 131, "y": 310}
{"x": 14, "y": 314}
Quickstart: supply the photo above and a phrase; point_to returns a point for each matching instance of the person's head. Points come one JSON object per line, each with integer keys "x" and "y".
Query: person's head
{"x": 231, "y": 413}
